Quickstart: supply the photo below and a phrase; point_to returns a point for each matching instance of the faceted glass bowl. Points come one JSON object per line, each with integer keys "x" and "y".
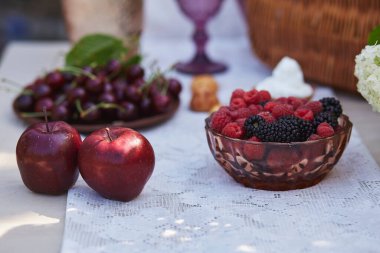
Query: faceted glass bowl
{"x": 279, "y": 166}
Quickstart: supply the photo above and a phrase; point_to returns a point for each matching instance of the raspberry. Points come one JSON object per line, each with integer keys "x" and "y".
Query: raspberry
{"x": 254, "y": 138}
{"x": 315, "y": 106}
{"x": 295, "y": 102}
{"x": 260, "y": 107}
{"x": 314, "y": 137}
{"x": 219, "y": 120}
{"x": 252, "y": 97}
{"x": 264, "y": 95}
{"x": 304, "y": 113}
{"x": 254, "y": 109}
{"x": 237, "y": 103}
{"x": 325, "y": 130}
{"x": 282, "y": 110}
{"x": 233, "y": 130}
{"x": 253, "y": 151}
{"x": 240, "y": 122}
{"x": 269, "y": 106}
{"x": 225, "y": 109}
{"x": 267, "y": 116}
{"x": 281, "y": 100}
{"x": 241, "y": 113}
{"x": 238, "y": 93}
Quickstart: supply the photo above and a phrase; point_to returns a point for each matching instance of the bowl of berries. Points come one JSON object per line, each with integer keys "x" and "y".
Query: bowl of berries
{"x": 277, "y": 144}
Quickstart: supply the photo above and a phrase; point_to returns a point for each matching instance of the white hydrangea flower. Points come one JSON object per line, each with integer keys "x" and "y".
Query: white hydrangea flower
{"x": 367, "y": 70}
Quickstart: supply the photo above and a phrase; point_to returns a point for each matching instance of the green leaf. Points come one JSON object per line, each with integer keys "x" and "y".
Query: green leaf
{"x": 377, "y": 60}
{"x": 374, "y": 36}
{"x": 136, "y": 59}
{"x": 95, "y": 50}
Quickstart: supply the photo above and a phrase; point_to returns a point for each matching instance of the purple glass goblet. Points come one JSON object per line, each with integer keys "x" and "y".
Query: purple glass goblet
{"x": 200, "y": 11}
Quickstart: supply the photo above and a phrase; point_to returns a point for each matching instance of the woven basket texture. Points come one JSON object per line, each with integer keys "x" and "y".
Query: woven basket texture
{"x": 323, "y": 36}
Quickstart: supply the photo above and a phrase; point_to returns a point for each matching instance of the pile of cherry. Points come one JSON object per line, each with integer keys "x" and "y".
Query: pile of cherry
{"x": 99, "y": 95}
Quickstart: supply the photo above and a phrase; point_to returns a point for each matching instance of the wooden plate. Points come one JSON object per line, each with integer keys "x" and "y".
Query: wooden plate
{"x": 135, "y": 124}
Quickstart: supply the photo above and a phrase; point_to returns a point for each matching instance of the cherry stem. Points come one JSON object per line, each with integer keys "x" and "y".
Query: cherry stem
{"x": 109, "y": 134}
{"x": 78, "y": 106}
{"x": 157, "y": 73}
{"x": 14, "y": 87}
{"x": 11, "y": 90}
{"x": 33, "y": 114}
{"x": 9, "y": 81}
{"x": 102, "y": 105}
{"x": 46, "y": 119}
{"x": 77, "y": 71}
{"x": 60, "y": 99}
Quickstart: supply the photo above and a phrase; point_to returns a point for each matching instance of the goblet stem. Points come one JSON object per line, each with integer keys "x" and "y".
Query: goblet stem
{"x": 200, "y": 38}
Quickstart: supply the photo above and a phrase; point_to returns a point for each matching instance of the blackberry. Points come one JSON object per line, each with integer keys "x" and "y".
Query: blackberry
{"x": 331, "y": 104}
{"x": 296, "y": 129}
{"x": 286, "y": 129}
{"x": 252, "y": 124}
{"x": 328, "y": 117}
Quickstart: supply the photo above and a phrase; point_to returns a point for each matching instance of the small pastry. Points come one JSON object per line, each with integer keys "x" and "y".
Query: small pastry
{"x": 204, "y": 89}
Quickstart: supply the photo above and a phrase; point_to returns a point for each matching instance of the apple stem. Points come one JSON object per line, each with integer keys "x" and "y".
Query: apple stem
{"x": 46, "y": 119}
{"x": 108, "y": 134}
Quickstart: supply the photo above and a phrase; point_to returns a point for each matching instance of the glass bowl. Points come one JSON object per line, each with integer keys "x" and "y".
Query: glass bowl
{"x": 279, "y": 166}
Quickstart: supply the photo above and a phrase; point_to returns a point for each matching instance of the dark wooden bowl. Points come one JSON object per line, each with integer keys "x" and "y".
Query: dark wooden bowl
{"x": 135, "y": 124}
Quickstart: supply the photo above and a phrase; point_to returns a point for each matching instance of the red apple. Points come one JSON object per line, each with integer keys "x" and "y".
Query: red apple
{"x": 116, "y": 162}
{"x": 47, "y": 157}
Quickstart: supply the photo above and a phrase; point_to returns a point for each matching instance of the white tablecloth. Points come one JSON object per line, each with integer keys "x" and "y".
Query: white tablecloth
{"x": 191, "y": 205}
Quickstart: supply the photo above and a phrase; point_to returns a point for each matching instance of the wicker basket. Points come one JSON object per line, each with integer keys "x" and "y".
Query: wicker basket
{"x": 323, "y": 35}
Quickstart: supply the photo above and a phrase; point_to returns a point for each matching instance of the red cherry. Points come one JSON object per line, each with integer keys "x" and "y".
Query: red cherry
{"x": 107, "y": 87}
{"x": 119, "y": 89}
{"x": 161, "y": 103}
{"x": 55, "y": 80}
{"x": 127, "y": 112}
{"x": 42, "y": 90}
{"x": 61, "y": 112}
{"x": 174, "y": 87}
{"x": 107, "y": 97}
{"x": 43, "y": 102}
{"x": 94, "y": 85}
{"x": 24, "y": 103}
{"x": 113, "y": 67}
{"x": 134, "y": 72}
{"x": 74, "y": 94}
{"x": 133, "y": 94}
{"x": 145, "y": 106}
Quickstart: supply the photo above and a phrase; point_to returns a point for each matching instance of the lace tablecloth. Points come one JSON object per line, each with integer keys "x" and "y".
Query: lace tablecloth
{"x": 191, "y": 205}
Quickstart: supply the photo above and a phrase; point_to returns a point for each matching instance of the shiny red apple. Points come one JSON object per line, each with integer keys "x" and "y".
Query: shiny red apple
{"x": 116, "y": 162}
{"x": 47, "y": 157}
